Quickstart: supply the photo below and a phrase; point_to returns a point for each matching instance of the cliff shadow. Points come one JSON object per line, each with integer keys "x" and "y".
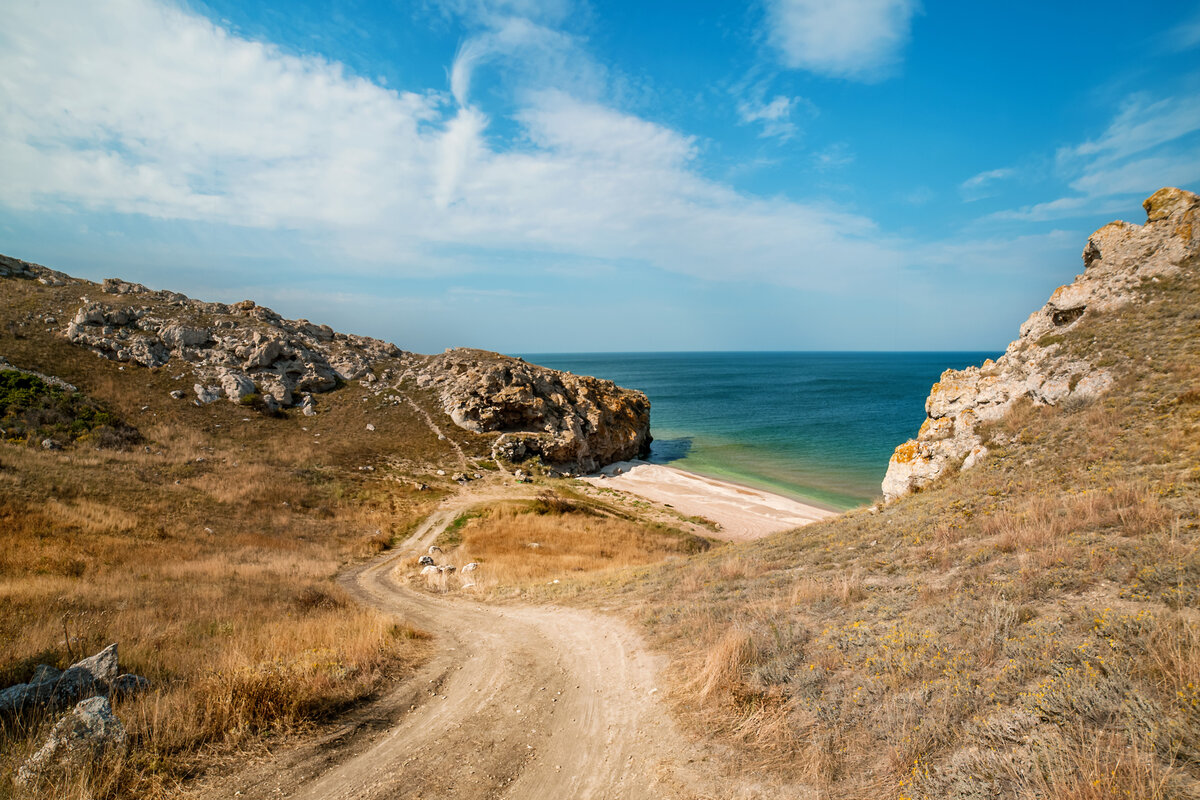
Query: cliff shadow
{"x": 664, "y": 451}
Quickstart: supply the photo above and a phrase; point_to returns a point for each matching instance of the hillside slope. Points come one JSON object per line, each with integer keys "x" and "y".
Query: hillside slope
{"x": 187, "y": 479}
{"x": 1026, "y": 628}
{"x": 247, "y": 353}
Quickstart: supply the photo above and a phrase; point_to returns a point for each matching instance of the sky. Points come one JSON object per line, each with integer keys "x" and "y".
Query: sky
{"x": 571, "y": 176}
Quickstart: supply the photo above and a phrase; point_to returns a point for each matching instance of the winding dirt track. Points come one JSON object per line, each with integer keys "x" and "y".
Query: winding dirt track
{"x": 519, "y": 702}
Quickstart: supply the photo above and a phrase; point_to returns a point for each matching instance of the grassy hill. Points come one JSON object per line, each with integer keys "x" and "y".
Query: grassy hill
{"x": 205, "y": 538}
{"x": 1025, "y": 629}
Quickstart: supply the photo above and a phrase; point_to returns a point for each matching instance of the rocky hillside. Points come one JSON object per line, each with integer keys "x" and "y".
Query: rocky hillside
{"x": 1023, "y": 629}
{"x": 246, "y": 353}
{"x": 1118, "y": 258}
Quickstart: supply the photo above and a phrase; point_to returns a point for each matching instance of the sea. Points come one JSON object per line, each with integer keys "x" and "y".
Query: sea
{"x": 817, "y": 427}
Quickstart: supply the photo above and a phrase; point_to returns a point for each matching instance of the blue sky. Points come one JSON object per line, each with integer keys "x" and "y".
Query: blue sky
{"x": 553, "y": 175}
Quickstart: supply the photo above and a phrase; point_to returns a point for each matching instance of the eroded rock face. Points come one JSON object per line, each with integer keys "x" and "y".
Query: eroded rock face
{"x": 564, "y": 419}
{"x": 1117, "y": 259}
{"x": 243, "y": 349}
{"x": 235, "y": 350}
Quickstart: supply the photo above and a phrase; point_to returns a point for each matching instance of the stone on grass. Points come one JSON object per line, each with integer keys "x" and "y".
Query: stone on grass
{"x": 76, "y": 743}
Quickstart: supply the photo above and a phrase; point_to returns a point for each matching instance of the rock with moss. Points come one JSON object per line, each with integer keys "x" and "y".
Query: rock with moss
{"x": 1118, "y": 258}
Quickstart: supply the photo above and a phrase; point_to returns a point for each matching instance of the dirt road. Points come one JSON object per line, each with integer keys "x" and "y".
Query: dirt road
{"x": 522, "y": 702}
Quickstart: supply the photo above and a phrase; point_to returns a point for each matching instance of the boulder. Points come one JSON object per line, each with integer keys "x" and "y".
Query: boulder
{"x": 177, "y": 336}
{"x": 235, "y": 385}
{"x": 118, "y": 286}
{"x": 206, "y": 394}
{"x": 76, "y": 743}
{"x": 51, "y": 688}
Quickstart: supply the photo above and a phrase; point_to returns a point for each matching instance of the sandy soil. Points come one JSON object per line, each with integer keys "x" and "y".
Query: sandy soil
{"x": 742, "y": 512}
{"x": 521, "y": 702}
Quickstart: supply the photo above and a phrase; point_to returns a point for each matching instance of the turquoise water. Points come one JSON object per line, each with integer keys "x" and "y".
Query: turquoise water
{"x": 819, "y": 427}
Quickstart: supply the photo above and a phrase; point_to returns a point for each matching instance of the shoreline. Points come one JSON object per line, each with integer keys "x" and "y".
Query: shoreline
{"x": 744, "y": 513}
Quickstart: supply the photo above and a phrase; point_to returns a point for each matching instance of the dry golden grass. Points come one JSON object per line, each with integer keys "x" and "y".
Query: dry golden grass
{"x": 1024, "y": 630}
{"x": 207, "y": 552}
{"x": 555, "y": 538}
{"x": 216, "y": 591}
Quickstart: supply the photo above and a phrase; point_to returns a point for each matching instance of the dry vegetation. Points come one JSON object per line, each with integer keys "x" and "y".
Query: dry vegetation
{"x": 556, "y": 536}
{"x": 207, "y": 549}
{"x": 1024, "y": 630}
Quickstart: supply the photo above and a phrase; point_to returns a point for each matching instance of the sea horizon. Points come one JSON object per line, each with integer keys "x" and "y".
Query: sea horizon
{"x": 815, "y": 425}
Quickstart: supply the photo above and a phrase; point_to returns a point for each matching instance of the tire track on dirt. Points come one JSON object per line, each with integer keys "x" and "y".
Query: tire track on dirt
{"x": 520, "y": 702}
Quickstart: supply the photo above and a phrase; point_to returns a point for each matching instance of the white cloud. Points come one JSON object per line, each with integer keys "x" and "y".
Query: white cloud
{"x": 1147, "y": 145}
{"x": 1139, "y": 126}
{"x": 142, "y": 108}
{"x": 834, "y": 156}
{"x": 775, "y": 115}
{"x": 490, "y": 13}
{"x": 1185, "y": 35}
{"x": 976, "y": 187}
{"x": 855, "y": 39}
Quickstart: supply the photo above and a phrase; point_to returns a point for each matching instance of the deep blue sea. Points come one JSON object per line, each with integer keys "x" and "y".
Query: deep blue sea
{"x": 819, "y": 427}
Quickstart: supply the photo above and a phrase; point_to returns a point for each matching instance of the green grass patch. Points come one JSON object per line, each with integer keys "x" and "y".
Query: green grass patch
{"x": 32, "y": 410}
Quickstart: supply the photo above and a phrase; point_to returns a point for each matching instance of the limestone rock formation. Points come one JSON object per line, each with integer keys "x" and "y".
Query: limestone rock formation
{"x": 561, "y": 418}
{"x": 236, "y": 350}
{"x": 1117, "y": 259}
{"x": 244, "y": 352}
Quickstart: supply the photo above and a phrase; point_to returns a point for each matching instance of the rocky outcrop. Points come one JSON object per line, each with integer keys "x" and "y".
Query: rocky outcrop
{"x": 48, "y": 379}
{"x": 235, "y": 350}
{"x": 16, "y": 268}
{"x": 51, "y": 689}
{"x": 564, "y": 419}
{"x": 76, "y": 743}
{"x": 1117, "y": 259}
{"x": 244, "y": 352}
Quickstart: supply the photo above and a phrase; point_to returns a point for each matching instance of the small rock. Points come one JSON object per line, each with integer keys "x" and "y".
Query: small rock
{"x": 178, "y": 394}
{"x": 206, "y": 394}
{"x": 370, "y": 427}
{"x": 50, "y": 444}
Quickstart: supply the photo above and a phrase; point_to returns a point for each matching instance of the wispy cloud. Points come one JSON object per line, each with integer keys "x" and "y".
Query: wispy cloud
{"x": 834, "y": 156}
{"x": 978, "y": 186}
{"x": 1185, "y": 35}
{"x": 144, "y": 108}
{"x": 855, "y": 39}
{"x": 775, "y": 115}
{"x": 1147, "y": 145}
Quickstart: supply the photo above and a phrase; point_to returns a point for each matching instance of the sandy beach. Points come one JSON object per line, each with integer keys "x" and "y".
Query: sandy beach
{"x": 742, "y": 512}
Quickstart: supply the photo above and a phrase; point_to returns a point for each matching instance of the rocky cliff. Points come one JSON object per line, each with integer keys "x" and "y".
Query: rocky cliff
{"x": 247, "y": 353}
{"x": 557, "y": 416}
{"x": 1118, "y": 258}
